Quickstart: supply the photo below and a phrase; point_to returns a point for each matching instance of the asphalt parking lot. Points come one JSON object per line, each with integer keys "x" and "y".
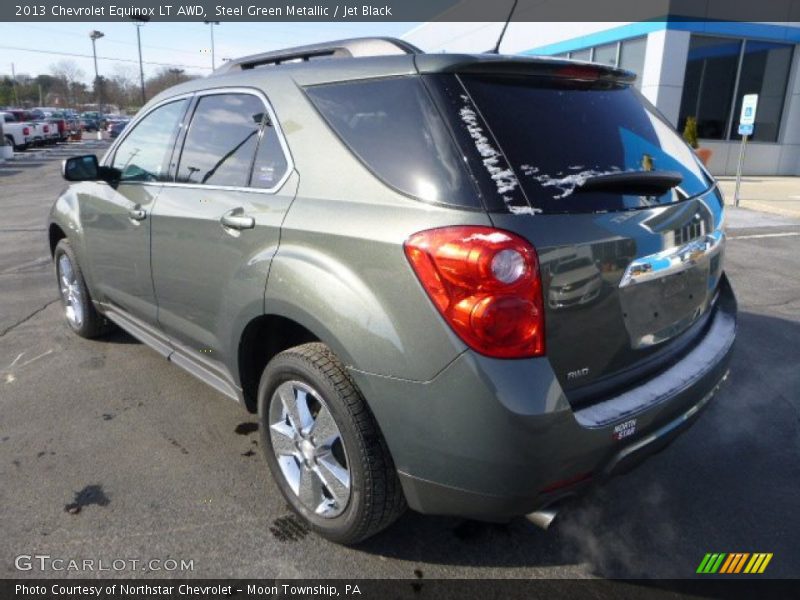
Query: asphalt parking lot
{"x": 109, "y": 452}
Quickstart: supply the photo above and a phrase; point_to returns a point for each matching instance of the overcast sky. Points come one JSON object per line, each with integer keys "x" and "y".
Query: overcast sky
{"x": 33, "y": 47}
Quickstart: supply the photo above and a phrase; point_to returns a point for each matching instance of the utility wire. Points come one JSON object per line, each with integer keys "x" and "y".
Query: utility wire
{"x": 77, "y": 55}
{"x": 105, "y": 41}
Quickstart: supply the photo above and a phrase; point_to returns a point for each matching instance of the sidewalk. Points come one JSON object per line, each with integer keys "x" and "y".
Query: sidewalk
{"x": 777, "y": 195}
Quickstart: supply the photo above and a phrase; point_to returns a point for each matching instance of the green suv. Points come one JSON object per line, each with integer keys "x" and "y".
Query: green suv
{"x": 470, "y": 284}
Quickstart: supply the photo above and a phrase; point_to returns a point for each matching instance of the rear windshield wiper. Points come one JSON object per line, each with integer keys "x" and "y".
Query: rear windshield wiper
{"x": 639, "y": 183}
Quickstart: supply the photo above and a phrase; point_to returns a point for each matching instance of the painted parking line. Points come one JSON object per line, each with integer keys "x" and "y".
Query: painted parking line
{"x": 764, "y": 235}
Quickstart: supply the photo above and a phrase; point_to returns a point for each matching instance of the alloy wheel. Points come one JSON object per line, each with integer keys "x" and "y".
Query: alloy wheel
{"x": 309, "y": 449}
{"x": 71, "y": 294}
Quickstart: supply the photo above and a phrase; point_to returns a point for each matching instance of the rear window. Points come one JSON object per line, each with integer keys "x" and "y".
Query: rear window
{"x": 394, "y": 128}
{"x": 556, "y": 134}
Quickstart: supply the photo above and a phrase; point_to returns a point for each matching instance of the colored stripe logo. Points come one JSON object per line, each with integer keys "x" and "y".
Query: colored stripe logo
{"x": 735, "y": 562}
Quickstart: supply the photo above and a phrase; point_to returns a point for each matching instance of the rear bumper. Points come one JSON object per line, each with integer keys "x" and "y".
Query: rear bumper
{"x": 492, "y": 439}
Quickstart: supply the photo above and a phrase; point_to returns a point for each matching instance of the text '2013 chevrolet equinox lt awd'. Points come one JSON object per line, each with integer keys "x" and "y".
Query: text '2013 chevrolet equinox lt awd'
{"x": 471, "y": 285}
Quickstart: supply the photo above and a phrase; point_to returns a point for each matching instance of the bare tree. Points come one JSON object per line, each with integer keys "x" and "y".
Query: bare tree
{"x": 122, "y": 87}
{"x": 69, "y": 77}
{"x": 166, "y": 78}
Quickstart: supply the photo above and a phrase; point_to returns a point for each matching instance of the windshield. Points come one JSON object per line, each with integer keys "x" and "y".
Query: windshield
{"x": 557, "y": 134}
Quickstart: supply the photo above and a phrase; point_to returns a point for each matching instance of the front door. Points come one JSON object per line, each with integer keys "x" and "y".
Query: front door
{"x": 217, "y": 226}
{"x": 117, "y": 218}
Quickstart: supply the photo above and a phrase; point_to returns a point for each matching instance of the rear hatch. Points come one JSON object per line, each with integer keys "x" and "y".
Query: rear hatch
{"x": 624, "y": 218}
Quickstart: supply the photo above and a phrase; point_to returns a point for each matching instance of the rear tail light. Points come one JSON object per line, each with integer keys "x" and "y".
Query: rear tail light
{"x": 26, "y": 131}
{"x": 485, "y": 282}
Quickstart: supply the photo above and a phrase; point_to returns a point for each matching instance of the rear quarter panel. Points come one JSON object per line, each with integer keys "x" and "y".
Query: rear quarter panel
{"x": 341, "y": 270}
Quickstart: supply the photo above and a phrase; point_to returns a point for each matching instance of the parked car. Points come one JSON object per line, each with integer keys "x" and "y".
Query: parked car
{"x": 54, "y": 126}
{"x": 92, "y": 121}
{"x": 72, "y": 120}
{"x": 42, "y": 131}
{"x": 365, "y": 272}
{"x": 87, "y": 124}
{"x": 65, "y": 124}
{"x": 18, "y": 134}
{"x": 116, "y": 127}
{"x": 574, "y": 282}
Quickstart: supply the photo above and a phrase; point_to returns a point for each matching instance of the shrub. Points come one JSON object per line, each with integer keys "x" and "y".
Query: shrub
{"x": 690, "y": 132}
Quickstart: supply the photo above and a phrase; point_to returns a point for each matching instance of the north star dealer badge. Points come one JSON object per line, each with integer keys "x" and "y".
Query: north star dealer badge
{"x": 625, "y": 429}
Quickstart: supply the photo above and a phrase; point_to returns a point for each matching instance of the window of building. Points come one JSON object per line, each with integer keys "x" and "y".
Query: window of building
{"x": 585, "y": 54}
{"x": 708, "y": 86}
{"x": 720, "y": 71}
{"x": 606, "y": 54}
{"x": 631, "y": 57}
{"x": 143, "y": 154}
{"x": 222, "y": 140}
{"x": 765, "y": 71}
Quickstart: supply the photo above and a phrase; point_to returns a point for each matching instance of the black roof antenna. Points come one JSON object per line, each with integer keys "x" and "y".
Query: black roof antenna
{"x": 496, "y": 49}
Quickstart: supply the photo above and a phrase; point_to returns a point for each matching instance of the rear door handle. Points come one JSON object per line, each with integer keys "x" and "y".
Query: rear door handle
{"x": 236, "y": 219}
{"x": 137, "y": 213}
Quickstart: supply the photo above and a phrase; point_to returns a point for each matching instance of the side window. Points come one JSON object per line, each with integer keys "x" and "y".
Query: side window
{"x": 394, "y": 128}
{"x": 143, "y": 155}
{"x": 222, "y": 140}
{"x": 270, "y": 162}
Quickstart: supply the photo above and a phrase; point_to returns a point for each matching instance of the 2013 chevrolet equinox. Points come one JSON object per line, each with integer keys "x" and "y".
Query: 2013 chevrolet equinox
{"x": 473, "y": 285}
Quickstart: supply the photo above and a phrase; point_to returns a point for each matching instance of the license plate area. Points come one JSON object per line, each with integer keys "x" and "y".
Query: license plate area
{"x": 660, "y": 309}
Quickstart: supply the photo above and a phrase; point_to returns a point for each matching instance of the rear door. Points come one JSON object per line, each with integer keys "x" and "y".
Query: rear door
{"x": 216, "y": 227}
{"x": 629, "y": 272}
{"x": 117, "y": 219}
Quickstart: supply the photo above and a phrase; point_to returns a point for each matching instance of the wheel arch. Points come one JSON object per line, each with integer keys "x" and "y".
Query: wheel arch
{"x": 65, "y": 222}
{"x": 55, "y": 233}
{"x": 269, "y": 334}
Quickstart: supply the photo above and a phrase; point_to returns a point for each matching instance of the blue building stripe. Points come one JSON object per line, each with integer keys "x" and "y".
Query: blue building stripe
{"x": 778, "y": 33}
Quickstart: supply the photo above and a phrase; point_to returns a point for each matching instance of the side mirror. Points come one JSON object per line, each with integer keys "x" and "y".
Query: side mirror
{"x": 81, "y": 168}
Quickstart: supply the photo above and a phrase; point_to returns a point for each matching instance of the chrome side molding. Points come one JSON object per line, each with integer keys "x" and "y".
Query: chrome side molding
{"x": 672, "y": 260}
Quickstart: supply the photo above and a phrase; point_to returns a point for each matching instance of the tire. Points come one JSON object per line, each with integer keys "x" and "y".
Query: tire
{"x": 79, "y": 311}
{"x": 10, "y": 142}
{"x": 345, "y": 514}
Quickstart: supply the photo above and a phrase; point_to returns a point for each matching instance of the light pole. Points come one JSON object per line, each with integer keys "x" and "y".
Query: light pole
{"x": 95, "y": 35}
{"x": 213, "y": 60}
{"x": 139, "y": 20}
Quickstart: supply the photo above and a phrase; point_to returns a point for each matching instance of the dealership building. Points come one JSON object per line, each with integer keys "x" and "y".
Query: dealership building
{"x": 686, "y": 68}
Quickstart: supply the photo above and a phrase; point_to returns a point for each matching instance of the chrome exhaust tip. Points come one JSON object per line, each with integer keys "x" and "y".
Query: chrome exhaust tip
{"x": 542, "y": 518}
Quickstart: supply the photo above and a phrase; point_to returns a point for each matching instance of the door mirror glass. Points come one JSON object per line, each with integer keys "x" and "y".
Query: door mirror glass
{"x": 81, "y": 168}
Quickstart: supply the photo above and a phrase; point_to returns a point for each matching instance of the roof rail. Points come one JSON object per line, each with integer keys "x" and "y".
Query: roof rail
{"x": 351, "y": 48}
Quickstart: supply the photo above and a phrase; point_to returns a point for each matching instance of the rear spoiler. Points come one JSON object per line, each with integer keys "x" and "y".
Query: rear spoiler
{"x": 350, "y": 48}
{"x": 541, "y": 66}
